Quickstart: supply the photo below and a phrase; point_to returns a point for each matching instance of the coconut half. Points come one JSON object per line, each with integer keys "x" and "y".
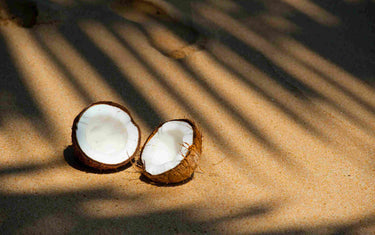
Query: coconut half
{"x": 105, "y": 136}
{"x": 171, "y": 152}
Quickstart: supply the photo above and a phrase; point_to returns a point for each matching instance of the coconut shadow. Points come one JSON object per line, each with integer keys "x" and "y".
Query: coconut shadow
{"x": 74, "y": 162}
{"x": 148, "y": 181}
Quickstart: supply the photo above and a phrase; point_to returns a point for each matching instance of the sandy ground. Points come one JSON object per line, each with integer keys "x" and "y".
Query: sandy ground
{"x": 282, "y": 90}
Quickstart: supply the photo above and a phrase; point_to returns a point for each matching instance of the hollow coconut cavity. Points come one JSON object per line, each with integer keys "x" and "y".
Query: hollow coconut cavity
{"x": 105, "y": 136}
{"x": 171, "y": 153}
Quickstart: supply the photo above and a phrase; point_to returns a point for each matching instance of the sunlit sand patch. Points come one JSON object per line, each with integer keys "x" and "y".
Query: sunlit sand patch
{"x": 61, "y": 179}
{"x": 116, "y": 204}
{"x": 133, "y": 70}
{"x": 341, "y": 134}
{"x": 278, "y": 8}
{"x": 45, "y": 82}
{"x": 20, "y": 134}
{"x": 345, "y": 109}
{"x": 57, "y": 177}
{"x": 21, "y": 137}
{"x": 92, "y": 83}
{"x": 166, "y": 33}
{"x": 102, "y": 208}
{"x": 331, "y": 94}
{"x": 173, "y": 44}
{"x": 279, "y": 23}
{"x": 344, "y": 139}
{"x": 334, "y": 72}
{"x": 198, "y": 211}
{"x": 83, "y": 72}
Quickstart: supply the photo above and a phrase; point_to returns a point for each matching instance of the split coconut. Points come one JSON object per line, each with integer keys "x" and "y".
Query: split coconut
{"x": 105, "y": 136}
{"x": 171, "y": 153}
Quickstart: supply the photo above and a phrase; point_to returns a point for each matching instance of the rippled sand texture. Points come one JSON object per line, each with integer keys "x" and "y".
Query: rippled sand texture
{"x": 282, "y": 90}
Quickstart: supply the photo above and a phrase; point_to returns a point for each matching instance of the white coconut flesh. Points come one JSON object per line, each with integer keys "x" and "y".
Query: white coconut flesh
{"x": 165, "y": 150}
{"x": 106, "y": 134}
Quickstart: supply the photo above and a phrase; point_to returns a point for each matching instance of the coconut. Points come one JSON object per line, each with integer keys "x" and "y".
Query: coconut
{"x": 171, "y": 153}
{"x": 105, "y": 136}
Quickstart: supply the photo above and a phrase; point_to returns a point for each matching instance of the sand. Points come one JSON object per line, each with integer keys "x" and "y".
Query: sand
{"x": 283, "y": 92}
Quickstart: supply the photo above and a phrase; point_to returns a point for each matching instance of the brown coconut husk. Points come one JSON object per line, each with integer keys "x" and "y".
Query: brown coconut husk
{"x": 185, "y": 169}
{"x": 86, "y": 160}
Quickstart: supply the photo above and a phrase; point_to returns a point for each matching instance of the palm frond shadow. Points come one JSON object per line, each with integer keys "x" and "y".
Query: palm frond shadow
{"x": 26, "y": 211}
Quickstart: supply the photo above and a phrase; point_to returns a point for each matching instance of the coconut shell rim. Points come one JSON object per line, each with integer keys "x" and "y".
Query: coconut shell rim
{"x": 81, "y": 155}
{"x": 197, "y": 142}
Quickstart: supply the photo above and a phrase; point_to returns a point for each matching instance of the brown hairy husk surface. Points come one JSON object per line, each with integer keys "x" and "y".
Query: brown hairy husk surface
{"x": 187, "y": 166}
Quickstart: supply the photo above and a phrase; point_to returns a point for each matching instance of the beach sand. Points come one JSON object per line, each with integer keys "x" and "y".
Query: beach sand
{"x": 283, "y": 92}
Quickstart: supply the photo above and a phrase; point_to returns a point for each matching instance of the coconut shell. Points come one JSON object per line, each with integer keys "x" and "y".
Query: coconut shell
{"x": 185, "y": 169}
{"x": 82, "y": 157}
